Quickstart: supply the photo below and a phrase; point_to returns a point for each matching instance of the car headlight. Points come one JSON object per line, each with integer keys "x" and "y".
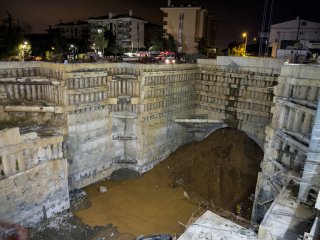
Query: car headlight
{"x": 167, "y": 61}
{"x": 173, "y": 61}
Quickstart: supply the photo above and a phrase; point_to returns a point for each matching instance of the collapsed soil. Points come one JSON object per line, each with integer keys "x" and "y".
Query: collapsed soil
{"x": 68, "y": 227}
{"x": 222, "y": 170}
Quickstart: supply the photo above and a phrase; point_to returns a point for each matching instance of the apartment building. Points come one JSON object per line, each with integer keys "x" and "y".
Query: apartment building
{"x": 128, "y": 29}
{"x": 187, "y": 24}
{"x": 297, "y": 34}
{"x": 73, "y": 30}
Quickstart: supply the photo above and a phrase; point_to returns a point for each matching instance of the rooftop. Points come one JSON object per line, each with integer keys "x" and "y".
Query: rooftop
{"x": 72, "y": 23}
{"x": 115, "y": 17}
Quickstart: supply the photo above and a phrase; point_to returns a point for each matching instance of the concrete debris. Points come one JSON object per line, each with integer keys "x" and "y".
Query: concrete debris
{"x": 103, "y": 189}
{"x": 186, "y": 194}
{"x": 79, "y": 200}
{"x": 212, "y": 226}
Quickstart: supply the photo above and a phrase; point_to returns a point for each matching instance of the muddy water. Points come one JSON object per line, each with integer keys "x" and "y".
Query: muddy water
{"x": 222, "y": 170}
{"x": 145, "y": 205}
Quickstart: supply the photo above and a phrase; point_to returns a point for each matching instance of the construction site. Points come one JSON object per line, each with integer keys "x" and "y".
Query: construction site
{"x": 225, "y": 148}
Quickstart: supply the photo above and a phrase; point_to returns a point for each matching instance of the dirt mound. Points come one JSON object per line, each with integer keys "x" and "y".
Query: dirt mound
{"x": 67, "y": 226}
{"x": 221, "y": 169}
{"x": 78, "y": 200}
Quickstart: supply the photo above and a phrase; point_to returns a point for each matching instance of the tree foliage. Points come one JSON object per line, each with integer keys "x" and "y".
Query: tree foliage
{"x": 101, "y": 43}
{"x": 11, "y": 35}
{"x": 202, "y": 46}
{"x": 236, "y": 49}
{"x": 157, "y": 41}
{"x": 60, "y": 44}
{"x": 171, "y": 44}
{"x": 112, "y": 44}
{"x": 24, "y": 50}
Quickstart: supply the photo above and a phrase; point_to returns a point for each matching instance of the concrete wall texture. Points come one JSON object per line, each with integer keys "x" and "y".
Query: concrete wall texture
{"x": 33, "y": 177}
{"x": 116, "y": 115}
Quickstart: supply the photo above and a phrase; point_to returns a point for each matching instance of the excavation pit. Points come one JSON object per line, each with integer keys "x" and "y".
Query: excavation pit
{"x": 221, "y": 170}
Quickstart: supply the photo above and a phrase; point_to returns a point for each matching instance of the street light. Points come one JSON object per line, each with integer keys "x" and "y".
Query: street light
{"x": 245, "y": 35}
{"x": 74, "y": 51}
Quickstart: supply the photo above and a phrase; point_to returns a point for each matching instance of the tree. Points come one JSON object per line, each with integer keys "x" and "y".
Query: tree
{"x": 57, "y": 41}
{"x": 112, "y": 44}
{"x": 101, "y": 43}
{"x": 10, "y": 36}
{"x": 236, "y": 49}
{"x": 26, "y": 28}
{"x": 157, "y": 41}
{"x": 24, "y": 50}
{"x": 202, "y": 46}
{"x": 171, "y": 44}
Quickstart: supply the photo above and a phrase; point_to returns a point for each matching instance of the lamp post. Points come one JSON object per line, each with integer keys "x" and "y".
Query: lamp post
{"x": 245, "y": 35}
{"x": 74, "y": 51}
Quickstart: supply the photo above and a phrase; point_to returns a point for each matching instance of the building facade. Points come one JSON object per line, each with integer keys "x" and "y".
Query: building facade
{"x": 297, "y": 34}
{"x": 73, "y": 30}
{"x": 188, "y": 24}
{"x": 128, "y": 30}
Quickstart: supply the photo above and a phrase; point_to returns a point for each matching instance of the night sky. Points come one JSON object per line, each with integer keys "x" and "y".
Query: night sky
{"x": 233, "y": 16}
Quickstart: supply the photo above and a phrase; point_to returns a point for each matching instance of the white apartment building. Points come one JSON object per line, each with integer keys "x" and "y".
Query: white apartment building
{"x": 300, "y": 31}
{"x": 128, "y": 30}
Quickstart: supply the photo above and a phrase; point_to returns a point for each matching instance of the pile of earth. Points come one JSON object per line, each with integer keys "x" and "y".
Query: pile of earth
{"x": 78, "y": 200}
{"x": 222, "y": 169}
{"x": 67, "y": 226}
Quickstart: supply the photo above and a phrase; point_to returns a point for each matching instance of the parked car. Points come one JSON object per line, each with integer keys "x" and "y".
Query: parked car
{"x": 170, "y": 60}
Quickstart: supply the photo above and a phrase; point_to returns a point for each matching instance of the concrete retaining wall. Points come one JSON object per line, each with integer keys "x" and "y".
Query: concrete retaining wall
{"x": 239, "y": 91}
{"x": 123, "y": 115}
{"x": 93, "y": 96}
{"x": 33, "y": 177}
{"x": 289, "y": 135}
